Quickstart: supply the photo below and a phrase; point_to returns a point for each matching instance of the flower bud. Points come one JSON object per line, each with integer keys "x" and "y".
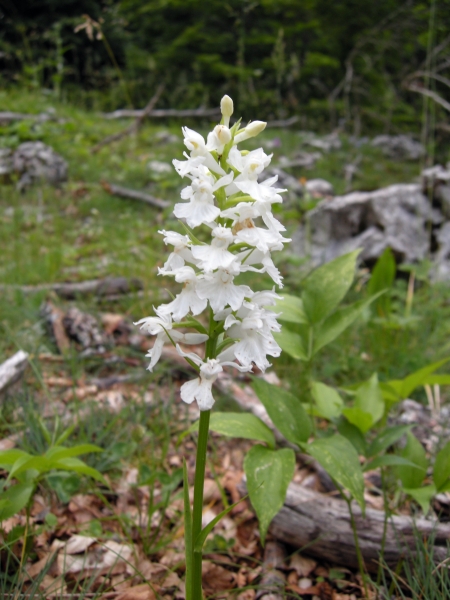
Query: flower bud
{"x": 226, "y": 107}
{"x": 252, "y": 129}
{"x": 223, "y": 134}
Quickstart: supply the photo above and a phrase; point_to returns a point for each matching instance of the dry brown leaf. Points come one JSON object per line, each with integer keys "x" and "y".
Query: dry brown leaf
{"x": 52, "y": 586}
{"x": 216, "y": 579}
{"x": 246, "y": 595}
{"x": 172, "y": 559}
{"x": 171, "y": 581}
{"x": 302, "y": 565}
{"x": 59, "y": 381}
{"x": 138, "y": 592}
{"x": 78, "y": 543}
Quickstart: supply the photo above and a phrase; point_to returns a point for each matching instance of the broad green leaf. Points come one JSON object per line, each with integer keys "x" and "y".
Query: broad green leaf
{"x": 9, "y": 457}
{"x": 436, "y": 379}
{"x": 39, "y": 463}
{"x": 352, "y": 434}
{"x": 58, "y": 452}
{"x": 337, "y": 323}
{"x": 369, "y": 399}
{"x": 201, "y": 538}
{"x": 386, "y": 438}
{"x": 340, "y": 460}
{"x": 404, "y": 387}
{"x": 328, "y": 402}
{"x": 390, "y": 460}
{"x": 187, "y": 532}
{"x": 382, "y": 278}
{"x": 65, "y": 484}
{"x": 78, "y": 466}
{"x": 16, "y": 497}
{"x": 285, "y": 410}
{"x": 410, "y": 477}
{"x": 327, "y": 285}
{"x": 441, "y": 471}
{"x": 358, "y": 417}
{"x": 269, "y": 473}
{"x": 290, "y": 309}
{"x": 291, "y": 343}
{"x": 422, "y": 496}
{"x": 241, "y": 425}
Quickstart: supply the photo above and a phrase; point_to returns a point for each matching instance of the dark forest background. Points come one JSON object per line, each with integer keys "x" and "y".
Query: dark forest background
{"x": 360, "y": 66}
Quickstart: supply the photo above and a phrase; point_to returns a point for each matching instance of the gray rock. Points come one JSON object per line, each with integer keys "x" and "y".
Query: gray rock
{"x": 307, "y": 160}
{"x": 394, "y": 217}
{"x": 326, "y": 143}
{"x": 436, "y": 185}
{"x": 441, "y": 267}
{"x": 35, "y": 162}
{"x": 6, "y": 166}
{"x": 319, "y": 188}
{"x": 399, "y": 147}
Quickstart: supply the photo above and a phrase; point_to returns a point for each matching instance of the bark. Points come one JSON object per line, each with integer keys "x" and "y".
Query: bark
{"x": 321, "y": 524}
{"x": 99, "y": 287}
{"x": 116, "y": 190}
{"x": 273, "y": 580}
{"x": 12, "y": 369}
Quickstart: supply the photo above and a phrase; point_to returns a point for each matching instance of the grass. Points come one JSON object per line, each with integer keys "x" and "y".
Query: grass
{"x": 79, "y": 232}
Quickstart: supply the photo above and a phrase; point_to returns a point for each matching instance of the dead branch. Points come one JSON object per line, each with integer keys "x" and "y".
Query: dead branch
{"x": 161, "y": 113}
{"x": 430, "y": 94}
{"x": 283, "y": 122}
{"x": 134, "y": 127}
{"x": 273, "y": 580}
{"x": 12, "y": 369}
{"x": 322, "y": 524}
{"x": 7, "y": 117}
{"x": 69, "y": 291}
{"x": 116, "y": 190}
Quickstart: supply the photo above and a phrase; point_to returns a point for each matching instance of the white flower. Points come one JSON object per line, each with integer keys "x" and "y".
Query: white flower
{"x": 196, "y": 144}
{"x": 200, "y": 208}
{"x": 226, "y": 108}
{"x": 200, "y": 388}
{"x": 188, "y": 299}
{"x": 250, "y": 131}
{"x": 159, "y": 326}
{"x": 254, "y": 332}
{"x": 218, "y": 138}
{"x": 181, "y": 251}
{"x": 216, "y": 255}
{"x": 264, "y": 258}
{"x": 219, "y": 289}
{"x": 251, "y": 165}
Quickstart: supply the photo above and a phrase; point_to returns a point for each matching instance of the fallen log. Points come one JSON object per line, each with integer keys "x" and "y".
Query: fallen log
{"x": 12, "y": 369}
{"x": 162, "y": 113}
{"x": 99, "y": 287}
{"x": 134, "y": 127}
{"x": 321, "y": 524}
{"x": 116, "y": 190}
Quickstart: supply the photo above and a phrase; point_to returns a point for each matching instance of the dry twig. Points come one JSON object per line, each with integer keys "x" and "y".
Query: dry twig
{"x": 117, "y": 190}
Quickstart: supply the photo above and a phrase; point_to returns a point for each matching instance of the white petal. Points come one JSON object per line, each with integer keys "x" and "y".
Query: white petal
{"x": 189, "y": 390}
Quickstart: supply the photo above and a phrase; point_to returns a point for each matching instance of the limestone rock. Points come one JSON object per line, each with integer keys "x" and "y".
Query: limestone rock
{"x": 399, "y": 147}
{"x": 395, "y": 216}
{"x": 35, "y": 161}
{"x": 319, "y": 188}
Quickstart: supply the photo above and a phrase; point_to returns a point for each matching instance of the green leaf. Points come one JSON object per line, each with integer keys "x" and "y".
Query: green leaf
{"x": 422, "y": 496}
{"x": 291, "y": 343}
{"x": 328, "y": 402}
{"x": 268, "y": 475}
{"x": 16, "y": 497}
{"x": 285, "y": 410}
{"x": 404, "y": 387}
{"x": 358, "y": 417}
{"x": 338, "y": 322}
{"x": 340, "y": 460}
{"x": 352, "y": 434}
{"x": 9, "y": 457}
{"x": 327, "y": 285}
{"x": 39, "y": 463}
{"x": 410, "y": 477}
{"x": 382, "y": 278}
{"x": 187, "y": 532}
{"x": 291, "y": 309}
{"x": 441, "y": 471}
{"x": 66, "y": 485}
{"x": 390, "y": 460}
{"x": 78, "y": 466}
{"x": 57, "y": 452}
{"x": 386, "y": 438}
{"x": 241, "y": 425}
{"x": 201, "y": 538}
{"x": 369, "y": 399}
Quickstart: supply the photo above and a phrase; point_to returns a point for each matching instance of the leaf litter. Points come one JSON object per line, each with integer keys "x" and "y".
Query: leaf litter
{"x": 127, "y": 542}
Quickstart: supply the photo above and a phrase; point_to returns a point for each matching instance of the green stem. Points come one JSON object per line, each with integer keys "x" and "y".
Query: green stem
{"x": 359, "y": 555}
{"x": 197, "y": 510}
{"x": 385, "y": 522}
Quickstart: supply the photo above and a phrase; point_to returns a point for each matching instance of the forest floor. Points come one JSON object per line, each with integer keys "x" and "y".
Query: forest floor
{"x": 124, "y": 540}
